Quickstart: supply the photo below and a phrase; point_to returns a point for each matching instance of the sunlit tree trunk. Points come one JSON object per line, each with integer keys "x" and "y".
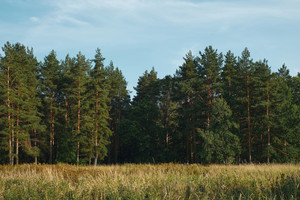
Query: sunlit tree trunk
{"x": 10, "y": 129}
{"x": 17, "y": 133}
{"x": 12, "y": 135}
{"x": 78, "y": 124}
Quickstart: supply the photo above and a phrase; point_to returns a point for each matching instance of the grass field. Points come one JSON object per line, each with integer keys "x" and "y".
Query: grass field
{"x": 165, "y": 181}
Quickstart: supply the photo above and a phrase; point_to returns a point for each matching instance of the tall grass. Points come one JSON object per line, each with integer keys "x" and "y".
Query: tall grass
{"x": 165, "y": 181}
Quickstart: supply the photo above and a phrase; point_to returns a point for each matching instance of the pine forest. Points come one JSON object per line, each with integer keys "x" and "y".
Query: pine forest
{"x": 218, "y": 108}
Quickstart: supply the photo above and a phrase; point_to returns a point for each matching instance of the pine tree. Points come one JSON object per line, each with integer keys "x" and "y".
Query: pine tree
{"x": 66, "y": 142}
{"x": 8, "y": 69}
{"x": 210, "y": 65}
{"x": 118, "y": 101}
{"x": 188, "y": 82}
{"x": 261, "y": 109}
{"x": 286, "y": 120}
{"x": 99, "y": 89}
{"x": 230, "y": 82}
{"x": 20, "y": 69}
{"x": 245, "y": 64}
{"x": 229, "y": 76}
{"x": 147, "y": 87}
{"x": 33, "y": 105}
{"x": 147, "y": 115}
{"x": 168, "y": 112}
{"x": 77, "y": 90}
{"x": 219, "y": 145}
{"x": 295, "y": 86}
{"x": 50, "y": 77}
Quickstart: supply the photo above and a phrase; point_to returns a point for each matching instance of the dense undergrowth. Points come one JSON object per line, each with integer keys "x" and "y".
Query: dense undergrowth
{"x": 165, "y": 181}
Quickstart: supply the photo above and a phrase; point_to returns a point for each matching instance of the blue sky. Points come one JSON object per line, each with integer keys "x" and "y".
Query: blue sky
{"x": 138, "y": 34}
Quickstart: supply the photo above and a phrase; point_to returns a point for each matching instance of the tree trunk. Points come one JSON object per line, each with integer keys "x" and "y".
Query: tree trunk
{"x": 117, "y": 138}
{"x": 116, "y": 147}
{"x": 12, "y": 137}
{"x": 35, "y": 145}
{"x": 96, "y": 130}
{"x": 90, "y": 160}
{"x": 191, "y": 133}
{"x": 248, "y": 117}
{"x": 191, "y": 147}
{"x": 229, "y": 88}
{"x": 78, "y": 124}
{"x": 66, "y": 104}
{"x": 194, "y": 146}
{"x": 96, "y": 159}
{"x": 77, "y": 157}
{"x": 188, "y": 135}
{"x": 51, "y": 129}
{"x": 166, "y": 125}
{"x": 208, "y": 105}
{"x": 268, "y": 126}
{"x": 188, "y": 147}
{"x": 17, "y": 134}
{"x": 9, "y": 117}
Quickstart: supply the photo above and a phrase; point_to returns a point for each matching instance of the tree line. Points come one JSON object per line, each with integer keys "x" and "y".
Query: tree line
{"x": 215, "y": 109}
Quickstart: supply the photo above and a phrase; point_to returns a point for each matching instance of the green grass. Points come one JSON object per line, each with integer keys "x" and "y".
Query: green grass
{"x": 165, "y": 181}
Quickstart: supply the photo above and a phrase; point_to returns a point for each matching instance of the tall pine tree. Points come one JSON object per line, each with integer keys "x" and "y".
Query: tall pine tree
{"x": 50, "y": 77}
{"x": 99, "y": 89}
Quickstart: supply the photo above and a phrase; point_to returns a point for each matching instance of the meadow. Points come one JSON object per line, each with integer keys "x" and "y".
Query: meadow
{"x": 146, "y": 181}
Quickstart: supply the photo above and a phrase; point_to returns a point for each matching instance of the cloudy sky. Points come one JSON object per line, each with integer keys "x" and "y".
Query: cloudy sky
{"x": 140, "y": 34}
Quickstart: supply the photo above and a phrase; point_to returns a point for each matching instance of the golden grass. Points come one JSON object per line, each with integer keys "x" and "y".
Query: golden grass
{"x": 145, "y": 181}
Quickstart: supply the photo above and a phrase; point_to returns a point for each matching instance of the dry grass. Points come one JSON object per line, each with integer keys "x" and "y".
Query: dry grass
{"x": 165, "y": 181}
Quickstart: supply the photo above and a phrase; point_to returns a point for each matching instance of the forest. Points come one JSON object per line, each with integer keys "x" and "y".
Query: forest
{"x": 217, "y": 108}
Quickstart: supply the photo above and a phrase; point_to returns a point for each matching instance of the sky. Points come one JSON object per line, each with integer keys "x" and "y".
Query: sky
{"x": 140, "y": 34}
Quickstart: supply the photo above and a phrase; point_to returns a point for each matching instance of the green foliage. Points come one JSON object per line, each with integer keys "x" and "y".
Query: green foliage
{"x": 145, "y": 124}
{"x": 214, "y": 109}
{"x": 99, "y": 109}
{"x": 219, "y": 144}
{"x": 20, "y": 116}
{"x": 186, "y": 94}
{"x": 50, "y": 72}
{"x": 118, "y": 103}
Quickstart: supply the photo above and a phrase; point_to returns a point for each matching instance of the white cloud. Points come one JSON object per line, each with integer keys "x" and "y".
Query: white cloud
{"x": 176, "y": 26}
{"x": 34, "y": 19}
{"x": 176, "y": 11}
{"x": 131, "y": 15}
